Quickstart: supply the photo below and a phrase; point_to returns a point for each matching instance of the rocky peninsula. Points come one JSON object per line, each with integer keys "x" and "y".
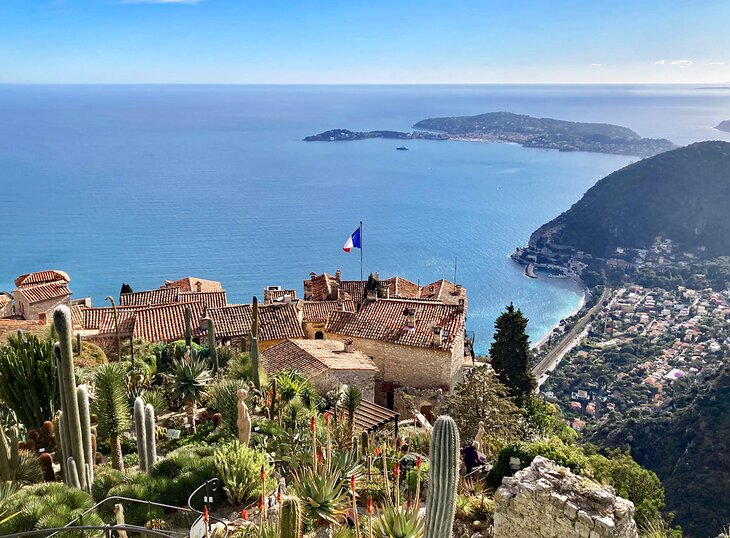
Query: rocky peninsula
{"x": 723, "y": 126}
{"x": 525, "y": 130}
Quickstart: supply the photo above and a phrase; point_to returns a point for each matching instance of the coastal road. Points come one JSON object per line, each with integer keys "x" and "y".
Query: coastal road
{"x": 567, "y": 343}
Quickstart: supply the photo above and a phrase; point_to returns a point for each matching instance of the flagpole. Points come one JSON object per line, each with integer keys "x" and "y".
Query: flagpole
{"x": 360, "y": 251}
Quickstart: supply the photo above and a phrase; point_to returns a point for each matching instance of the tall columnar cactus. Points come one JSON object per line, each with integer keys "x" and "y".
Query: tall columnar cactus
{"x": 65, "y": 445}
{"x": 211, "y": 344}
{"x": 82, "y": 394}
{"x": 188, "y": 327}
{"x": 443, "y": 478}
{"x": 291, "y": 517}
{"x": 254, "y": 353}
{"x": 272, "y": 403}
{"x": 365, "y": 443}
{"x": 74, "y": 478}
{"x": 67, "y": 383}
{"x": 9, "y": 454}
{"x": 141, "y": 432}
{"x": 150, "y": 438}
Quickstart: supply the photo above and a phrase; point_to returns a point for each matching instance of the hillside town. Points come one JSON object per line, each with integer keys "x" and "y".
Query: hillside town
{"x": 639, "y": 345}
{"x": 336, "y": 331}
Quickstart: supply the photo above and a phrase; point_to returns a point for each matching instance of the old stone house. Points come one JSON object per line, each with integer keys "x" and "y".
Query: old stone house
{"x": 277, "y": 322}
{"x": 327, "y": 363}
{"x": 38, "y": 294}
{"x": 414, "y": 343}
{"x": 316, "y": 313}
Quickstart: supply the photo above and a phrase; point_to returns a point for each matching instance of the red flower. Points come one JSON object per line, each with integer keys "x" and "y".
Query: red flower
{"x": 263, "y": 473}
{"x": 320, "y": 456}
{"x": 408, "y": 501}
{"x": 205, "y": 513}
{"x": 260, "y": 504}
{"x": 352, "y": 484}
{"x": 377, "y": 452}
{"x": 418, "y": 462}
{"x": 327, "y": 417}
{"x": 312, "y": 425}
{"x": 244, "y": 514}
{"x": 396, "y": 470}
{"x": 369, "y": 506}
{"x": 278, "y": 495}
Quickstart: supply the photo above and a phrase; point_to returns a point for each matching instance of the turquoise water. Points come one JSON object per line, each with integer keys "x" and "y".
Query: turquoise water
{"x": 142, "y": 183}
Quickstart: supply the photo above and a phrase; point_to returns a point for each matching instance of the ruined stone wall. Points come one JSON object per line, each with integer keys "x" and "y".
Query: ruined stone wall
{"x": 548, "y": 501}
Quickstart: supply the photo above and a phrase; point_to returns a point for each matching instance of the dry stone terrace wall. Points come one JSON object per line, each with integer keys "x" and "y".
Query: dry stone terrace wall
{"x": 548, "y": 501}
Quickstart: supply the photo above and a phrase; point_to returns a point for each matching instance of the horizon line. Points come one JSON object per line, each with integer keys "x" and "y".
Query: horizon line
{"x": 569, "y": 83}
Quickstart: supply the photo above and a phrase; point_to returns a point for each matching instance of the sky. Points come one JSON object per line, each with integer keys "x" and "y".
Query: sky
{"x": 364, "y": 41}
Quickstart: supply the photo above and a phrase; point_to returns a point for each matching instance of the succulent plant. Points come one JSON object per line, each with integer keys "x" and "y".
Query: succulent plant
{"x": 291, "y": 517}
{"x": 323, "y": 492}
{"x": 400, "y": 522}
{"x": 443, "y": 478}
{"x": 140, "y": 432}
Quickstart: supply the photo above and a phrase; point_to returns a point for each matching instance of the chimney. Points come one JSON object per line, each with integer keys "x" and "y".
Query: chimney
{"x": 348, "y": 346}
{"x": 410, "y": 314}
{"x": 338, "y": 275}
{"x": 312, "y": 275}
{"x": 376, "y": 276}
{"x": 460, "y": 308}
{"x": 336, "y": 293}
{"x": 340, "y": 306}
{"x": 387, "y": 292}
{"x": 457, "y": 290}
{"x": 372, "y": 295}
{"x": 437, "y": 336}
{"x": 198, "y": 286}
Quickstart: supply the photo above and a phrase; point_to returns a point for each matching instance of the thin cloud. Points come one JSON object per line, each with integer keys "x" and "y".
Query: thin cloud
{"x": 597, "y": 65}
{"x": 682, "y": 62}
{"x": 715, "y": 63}
{"x": 660, "y": 62}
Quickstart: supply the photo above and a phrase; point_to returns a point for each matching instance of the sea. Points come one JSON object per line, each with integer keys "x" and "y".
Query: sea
{"x": 141, "y": 184}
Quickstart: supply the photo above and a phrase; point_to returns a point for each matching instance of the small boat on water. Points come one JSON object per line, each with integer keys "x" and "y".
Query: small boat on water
{"x": 402, "y": 148}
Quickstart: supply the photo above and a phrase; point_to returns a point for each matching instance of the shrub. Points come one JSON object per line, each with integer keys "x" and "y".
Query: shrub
{"x": 240, "y": 468}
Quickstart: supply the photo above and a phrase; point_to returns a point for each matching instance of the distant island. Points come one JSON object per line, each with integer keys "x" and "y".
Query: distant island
{"x": 528, "y": 131}
{"x": 724, "y": 126}
{"x": 339, "y": 135}
{"x": 547, "y": 133}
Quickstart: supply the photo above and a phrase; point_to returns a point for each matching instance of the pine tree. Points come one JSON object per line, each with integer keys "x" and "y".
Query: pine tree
{"x": 510, "y": 354}
{"x": 373, "y": 284}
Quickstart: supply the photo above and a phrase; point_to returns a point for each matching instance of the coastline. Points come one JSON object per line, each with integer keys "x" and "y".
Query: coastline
{"x": 543, "y": 339}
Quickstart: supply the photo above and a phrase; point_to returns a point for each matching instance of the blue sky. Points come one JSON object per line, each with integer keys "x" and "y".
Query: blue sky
{"x": 364, "y": 41}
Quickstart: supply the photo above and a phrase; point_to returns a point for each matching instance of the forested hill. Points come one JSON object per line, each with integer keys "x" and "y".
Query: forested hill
{"x": 683, "y": 194}
{"x": 686, "y": 444}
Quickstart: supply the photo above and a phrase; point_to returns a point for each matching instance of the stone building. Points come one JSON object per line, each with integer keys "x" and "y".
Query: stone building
{"x": 327, "y": 363}
{"x": 547, "y": 501}
{"x": 38, "y": 294}
{"x": 414, "y": 343}
{"x": 277, "y": 322}
{"x": 316, "y": 313}
{"x": 193, "y": 284}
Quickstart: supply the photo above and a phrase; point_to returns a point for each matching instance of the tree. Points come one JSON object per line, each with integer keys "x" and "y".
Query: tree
{"x": 373, "y": 284}
{"x": 351, "y": 400}
{"x": 510, "y": 354}
{"x": 482, "y": 398}
{"x": 111, "y": 408}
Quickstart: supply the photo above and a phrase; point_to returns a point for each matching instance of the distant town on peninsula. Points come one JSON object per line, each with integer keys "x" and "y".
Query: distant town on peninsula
{"x": 520, "y": 129}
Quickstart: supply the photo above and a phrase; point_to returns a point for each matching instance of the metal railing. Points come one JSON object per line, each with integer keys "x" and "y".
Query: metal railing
{"x": 75, "y": 525}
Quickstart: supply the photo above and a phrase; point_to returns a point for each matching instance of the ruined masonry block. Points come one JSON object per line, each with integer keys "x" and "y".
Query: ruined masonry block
{"x": 548, "y": 501}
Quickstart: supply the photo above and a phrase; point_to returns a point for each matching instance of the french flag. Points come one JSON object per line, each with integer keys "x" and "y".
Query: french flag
{"x": 353, "y": 241}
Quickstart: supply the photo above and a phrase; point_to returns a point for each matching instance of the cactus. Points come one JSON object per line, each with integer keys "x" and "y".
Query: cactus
{"x": 139, "y": 428}
{"x": 47, "y": 437}
{"x": 254, "y": 353}
{"x": 73, "y": 474}
{"x": 443, "y": 478}
{"x": 46, "y": 461}
{"x": 272, "y": 404}
{"x": 188, "y": 327}
{"x": 150, "y": 437}
{"x": 365, "y": 442}
{"x": 65, "y": 444}
{"x": 82, "y": 394}
{"x": 67, "y": 383}
{"x": 291, "y": 517}
{"x": 9, "y": 454}
{"x": 78, "y": 343}
{"x": 211, "y": 344}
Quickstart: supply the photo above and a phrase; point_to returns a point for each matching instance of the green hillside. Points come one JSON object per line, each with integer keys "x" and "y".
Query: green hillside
{"x": 683, "y": 194}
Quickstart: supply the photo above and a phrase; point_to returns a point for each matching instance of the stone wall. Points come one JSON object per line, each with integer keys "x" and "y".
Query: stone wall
{"x": 548, "y": 501}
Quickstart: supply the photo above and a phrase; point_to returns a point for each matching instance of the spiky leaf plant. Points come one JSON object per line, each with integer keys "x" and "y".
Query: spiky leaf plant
{"x": 401, "y": 522}
{"x": 111, "y": 408}
{"x": 240, "y": 468}
{"x": 189, "y": 381}
{"x": 323, "y": 492}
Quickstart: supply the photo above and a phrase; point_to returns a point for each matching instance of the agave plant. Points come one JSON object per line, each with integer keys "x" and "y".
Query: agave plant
{"x": 348, "y": 463}
{"x": 189, "y": 384}
{"x": 323, "y": 492}
{"x": 398, "y": 522}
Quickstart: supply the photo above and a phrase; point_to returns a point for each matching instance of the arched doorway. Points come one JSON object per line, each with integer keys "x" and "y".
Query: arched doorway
{"x": 319, "y": 335}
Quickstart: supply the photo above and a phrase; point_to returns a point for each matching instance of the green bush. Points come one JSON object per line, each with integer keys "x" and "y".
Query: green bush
{"x": 224, "y": 400}
{"x": 105, "y": 478}
{"x": 239, "y": 467}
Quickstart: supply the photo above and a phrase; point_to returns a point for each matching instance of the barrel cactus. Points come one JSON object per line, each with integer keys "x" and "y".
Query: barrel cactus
{"x": 291, "y": 517}
{"x": 443, "y": 478}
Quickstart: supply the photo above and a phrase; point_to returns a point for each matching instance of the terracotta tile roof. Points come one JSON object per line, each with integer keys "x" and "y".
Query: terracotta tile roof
{"x": 352, "y": 289}
{"x": 41, "y": 277}
{"x": 194, "y": 284}
{"x": 37, "y": 293}
{"x": 445, "y": 291}
{"x": 93, "y": 317}
{"x": 211, "y": 299}
{"x": 165, "y": 323}
{"x": 126, "y": 321}
{"x": 385, "y": 320}
{"x": 77, "y": 316}
{"x": 313, "y": 357}
{"x": 5, "y": 298}
{"x": 276, "y": 322}
{"x": 318, "y": 311}
{"x": 279, "y": 295}
{"x": 401, "y": 287}
{"x": 321, "y": 288}
{"x": 150, "y": 297}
